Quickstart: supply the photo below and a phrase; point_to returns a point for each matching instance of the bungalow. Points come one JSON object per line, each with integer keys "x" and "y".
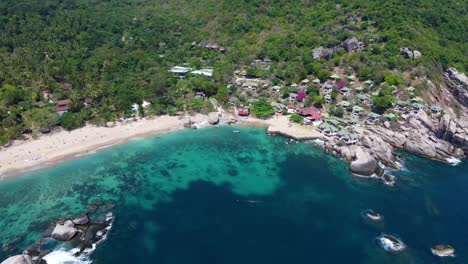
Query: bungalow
{"x": 200, "y": 95}
{"x": 368, "y": 84}
{"x": 333, "y": 122}
{"x": 390, "y": 117}
{"x": 357, "y": 110}
{"x": 179, "y": 70}
{"x": 359, "y": 89}
{"x": 373, "y": 117}
{"x": 353, "y": 121}
{"x": 417, "y": 99}
{"x": 401, "y": 105}
{"x": 67, "y": 86}
{"x": 417, "y": 108}
{"x": 344, "y": 104}
{"x": 327, "y": 98}
{"x": 305, "y": 82}
{"x": 345, "y": 91}
{"x": 435, "y": 109}
{"x": 291, "y": 108}
{"x": 243, "y": 111}
{"x": 278, "y": 107}
{"x": 204, "y": 72}
{"x": 352, "y": 78}
{"x": 87, "y": 101}
{"x": 316, "y": 81}
{"x": 292, "y": 97}
{"x": 276, "y": 89}
{"x": 334, "y": 77}
{"x": 293, "y": 87}
{"x": 347, "y": 137}
{"x": 328, "y": 130}
{"x": 363, "y": 98}
{"x": 327, "y": 88}
{"x": 62, "y": 106}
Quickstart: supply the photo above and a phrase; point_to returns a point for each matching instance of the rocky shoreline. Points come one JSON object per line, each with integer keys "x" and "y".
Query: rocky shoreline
{"x": 82, "y": 234}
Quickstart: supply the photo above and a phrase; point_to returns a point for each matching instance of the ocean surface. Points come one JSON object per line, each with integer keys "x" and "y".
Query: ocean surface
{"x": 214, "y": 196}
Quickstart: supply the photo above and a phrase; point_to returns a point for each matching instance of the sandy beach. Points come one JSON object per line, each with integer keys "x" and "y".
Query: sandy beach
{"x": 25, "y": 155}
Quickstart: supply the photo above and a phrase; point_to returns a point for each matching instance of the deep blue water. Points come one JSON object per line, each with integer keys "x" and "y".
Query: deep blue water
{"x": 213, "y": 196}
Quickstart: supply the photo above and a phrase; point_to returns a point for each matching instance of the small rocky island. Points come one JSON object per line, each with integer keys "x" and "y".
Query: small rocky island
{"x": 82, "y": 233}
{"x": 443, "y": 251}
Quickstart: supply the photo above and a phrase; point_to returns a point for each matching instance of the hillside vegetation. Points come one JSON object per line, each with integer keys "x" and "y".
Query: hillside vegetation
{"x": 118, "y": 52}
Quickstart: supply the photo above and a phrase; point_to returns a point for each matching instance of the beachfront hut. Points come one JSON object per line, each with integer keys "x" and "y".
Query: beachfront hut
{"x": 316, "y": 81}
{"x": 357, "y": 110}
{"x": 328, "y": 129}
{"x": 345, "y": 91}
{"x": 435, "y": 109}
{"x": 359, "y": 89}
{"x": 390, "y": 117}
{"x": 373, "y": 117}
{"x": 243, "y": 111}
{"x": 291, "y": 108}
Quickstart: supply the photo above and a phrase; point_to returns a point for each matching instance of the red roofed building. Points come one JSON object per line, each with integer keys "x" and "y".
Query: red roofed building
{"x": 307, "y": 111}
{"x": 291, "y": 108}
{"x": 243, "y": 111}
{"x": 62, "y": 106}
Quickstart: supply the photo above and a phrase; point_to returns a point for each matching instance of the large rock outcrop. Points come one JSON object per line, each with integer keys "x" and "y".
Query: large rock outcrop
{"x": 64, "y": 232}
{"x": 350, "y": 44}
{"x": 213, "y": 118}
{"x": 18, "y": 259}
{"x": 409, "y": 53}
{"x": 322, "y": 53}
{"x": 458, "y": 84}
{"x": 364, "y": 164}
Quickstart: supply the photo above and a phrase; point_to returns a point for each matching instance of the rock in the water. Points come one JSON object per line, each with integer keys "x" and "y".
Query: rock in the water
{"x": 64, "y": 232}
{"x": 350, "y": 44}
{"x": 81, "y": 220}
{"x": 213, "y": 118}
{"x": 365, "y": 164}
{"x": 18, "y": 259}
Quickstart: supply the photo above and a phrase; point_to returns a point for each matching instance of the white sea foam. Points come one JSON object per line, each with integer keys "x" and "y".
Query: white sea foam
{"x": 453, "y": 161}
{"x": 390, "y": 245}
{"x": 63, "y": 256}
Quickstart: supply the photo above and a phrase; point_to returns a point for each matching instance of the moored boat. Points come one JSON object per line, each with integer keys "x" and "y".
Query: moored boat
{"x": 374, "y": 216}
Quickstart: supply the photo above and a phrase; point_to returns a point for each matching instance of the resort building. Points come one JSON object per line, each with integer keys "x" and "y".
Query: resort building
{"x": 357, "y": 110}
{"x": 200, "y": 95}
{"x": 359, "y": 89}
{"x": 345, "y": 91}
{"x": 328, "y": 130}
{"x": 204, "y": 72}
{"x": 316, "y": 81}
{"x": 275, "y": 89}
{"x": 179, "y": 70}
{"x": 390, "y": 117}
{"x": 243, "y": 111}
{"x": 291, "y": 108}
{"x": 363, "y": 98}
{"x": 417, "y": 108}
{"x": 373, "y": 117}
{"x": 327, "y": 88}
{"x": 292, "y": 97}
{"x": 401, "y": 106}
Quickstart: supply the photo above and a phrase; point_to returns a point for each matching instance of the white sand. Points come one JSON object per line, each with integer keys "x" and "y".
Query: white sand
{"x": 57, "y": 146}
{"x": 24, "y": 155}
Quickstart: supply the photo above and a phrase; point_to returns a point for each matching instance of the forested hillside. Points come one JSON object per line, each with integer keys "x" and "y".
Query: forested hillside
{"x": 115, "y": 53}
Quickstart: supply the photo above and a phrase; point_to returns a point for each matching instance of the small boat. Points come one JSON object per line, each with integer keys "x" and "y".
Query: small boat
{"x": 388, "y": 179}
{"x": 235, "y": 131}
{"x": 391, "y": 243}
{"x": 374, "y": 216}
{"x": 443, "y": 251}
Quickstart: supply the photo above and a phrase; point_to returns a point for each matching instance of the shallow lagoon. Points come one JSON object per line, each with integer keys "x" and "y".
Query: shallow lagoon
{"x": 213, "y": 196}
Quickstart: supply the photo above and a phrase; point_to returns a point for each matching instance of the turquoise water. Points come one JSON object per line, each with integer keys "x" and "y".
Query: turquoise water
{"x": 213, "y": 196}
